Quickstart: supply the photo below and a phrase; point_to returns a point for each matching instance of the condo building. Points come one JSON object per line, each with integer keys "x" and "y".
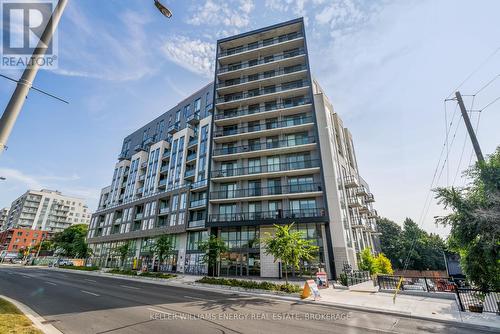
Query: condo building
{"x": 3, "y": 218}
{"x": 47, "y": 210}
{"x": 261, "y": 145}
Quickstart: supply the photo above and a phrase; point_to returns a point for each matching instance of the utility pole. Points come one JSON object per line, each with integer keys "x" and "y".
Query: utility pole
{"x": 24, "y": 84}
{"x": 469, "y": 127}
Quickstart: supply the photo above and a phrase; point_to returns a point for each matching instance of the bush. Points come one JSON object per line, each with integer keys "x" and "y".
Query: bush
{"x": 130, "y": 272}
{"x": 289, "y": 288}
{"x": 84, "y": 268}
{"x": 343, "y": 279}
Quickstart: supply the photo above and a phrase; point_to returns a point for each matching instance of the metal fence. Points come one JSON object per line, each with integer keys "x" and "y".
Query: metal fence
{"x": 471, "y": 299}
{"x": 425, "y": 284}
{"x": 357, "y": 277}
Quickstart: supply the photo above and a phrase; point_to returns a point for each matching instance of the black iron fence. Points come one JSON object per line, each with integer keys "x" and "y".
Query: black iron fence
{"x": 355, "y": 277}
{"x": 477, "y": 300}
{"x": 425, "y": 284}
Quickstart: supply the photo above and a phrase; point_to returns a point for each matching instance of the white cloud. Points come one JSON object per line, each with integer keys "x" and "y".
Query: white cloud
{"x": 193, "y": 54}
{"x": 233, "y": 13}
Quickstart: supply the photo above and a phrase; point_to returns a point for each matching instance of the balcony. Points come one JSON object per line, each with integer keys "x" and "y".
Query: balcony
{"x": 162, "y": 182}
{"x": 173, "y": 128}
{"x": 369, "y": 198}
{"x": 142, "y": 177}
{"x": 139, "y": 216}
{"x": 164, "y": 210}
{"x": 259, "y": 46}
{"x": 262, "y": 79}
{"x": 191, "y": 157}
{"x": 149, "y": 141}
{"x": 285, "y": 145}
{"x": 285, "y": 58}
{"x": 258, "y": 95}
{"x": 373, "y": 214}
{"x": 122, "y": 156}
{"x": 193, "y": 141}
{"x": 361, "y": 191}
{"x": 199, "y": 185}
{"x": 198, "y": 203}
{"x": 195, "y": 224}
{"x": 139, "y": 147}
{"x": 139, "y": 191}
{"x": 166, "y": 154}
{"x": 289, "y": 125}
{"x": 189, "y": 173}
{"x": 350, "y": 182}
{"x": 193, "y": 118}
{"x": 144, "y": 165}
{"x": 269, "y": 217}
{"x": 270, "y": 192}
{"x": 164, "y": 169}
{"x": 354, "y": 202}
{"x": 246, "y": 114}
{"x": 234, "y": 173}
{"x": 357, "y": 222}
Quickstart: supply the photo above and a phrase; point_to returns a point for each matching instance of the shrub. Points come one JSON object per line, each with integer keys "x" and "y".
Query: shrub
{"x": 343, "y": 279}
{"x": 289, "y": 288}
{"x": 130, "y": 272}
{"x": 84, "y": 268}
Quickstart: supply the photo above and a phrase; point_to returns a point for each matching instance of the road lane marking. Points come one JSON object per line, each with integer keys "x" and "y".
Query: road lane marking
{"x": 195, "y": 298}
{"x": 26, "y": 276}
{"x": 130, "y": 287}
{"x": 90, "y": 293}
{"x": 50, "y": 283}
{"x": 90, "y": 280}
{"x": 159, "y": 311}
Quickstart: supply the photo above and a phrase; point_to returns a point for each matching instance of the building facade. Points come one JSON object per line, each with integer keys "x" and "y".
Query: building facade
{"x": 3, "y": 218}
{"x": 14, "y": 240}
{"x": 259, "y": 146}
{"x": 48, "y": 210}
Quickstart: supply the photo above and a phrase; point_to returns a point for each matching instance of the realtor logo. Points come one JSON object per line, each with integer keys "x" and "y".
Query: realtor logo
{"x": 23, "y": 23}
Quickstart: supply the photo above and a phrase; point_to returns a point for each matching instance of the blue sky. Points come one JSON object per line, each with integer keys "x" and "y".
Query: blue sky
{"x": 387, "y": 66}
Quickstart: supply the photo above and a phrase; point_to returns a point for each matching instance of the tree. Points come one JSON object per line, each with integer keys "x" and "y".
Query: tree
{"x": 123, "y": 251}
{"x": 289, "y": 247}
{"x": 382, "y": 265}
{"x": 474, "y": 222}
{"x": 396, "y": 243}
{"x": 163, "y": 247}
{"x": 213, "y": 248}
{"x": 367, "y": 261}
{"x": 71, "y": 242}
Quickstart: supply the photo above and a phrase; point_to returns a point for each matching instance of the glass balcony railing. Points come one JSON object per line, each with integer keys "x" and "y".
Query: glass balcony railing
{"x": 189, "y": 172}
{"x": 196, "y": 223}
{"x": 266, "y": 191}
{"x": 199, "y": 184}
{"x": 193, "y": 141}
{"x": 197, "y": 203}
{"x": 268, "y": 215}
{"x": 260, "y": 44}
{"x": 261, "y": 127}
{"x": 193, "y": 118}
{"x": 261, "y": 76}
{"x": 262, "y": 60}
{"x": 263, "y": 91}
{"x": 250, "y": 111}
{"x": 265, "y": 146}
{"x": 191, "y": 156}
{"x": 278, "y": 167}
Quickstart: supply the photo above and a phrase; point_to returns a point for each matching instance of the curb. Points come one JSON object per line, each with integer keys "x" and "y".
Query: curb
{"x": 35, "y": 318}
{"x": 227, "y": 290}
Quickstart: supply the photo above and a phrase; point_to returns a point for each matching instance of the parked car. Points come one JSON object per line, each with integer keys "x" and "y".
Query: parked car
{"x": 63, "y": 262}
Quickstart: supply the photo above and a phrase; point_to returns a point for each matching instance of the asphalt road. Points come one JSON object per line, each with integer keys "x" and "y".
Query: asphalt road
{"x": 78, "y": 303}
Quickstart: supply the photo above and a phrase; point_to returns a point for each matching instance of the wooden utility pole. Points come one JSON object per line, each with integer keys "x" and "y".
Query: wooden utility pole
{"x": 469, "y": 127}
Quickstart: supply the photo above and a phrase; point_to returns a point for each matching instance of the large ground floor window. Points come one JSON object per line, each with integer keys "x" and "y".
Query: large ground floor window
{"x": 243, "y": 258}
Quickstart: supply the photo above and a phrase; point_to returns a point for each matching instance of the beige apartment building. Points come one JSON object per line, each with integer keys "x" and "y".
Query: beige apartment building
{"x": 47, "y": 210}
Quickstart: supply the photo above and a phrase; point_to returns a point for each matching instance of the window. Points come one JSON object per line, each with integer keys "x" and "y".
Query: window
{"x": 274, "y": 186}
{"x": 197, "y": 105}
{"x": 273, "y": 164}
{"x": 175, "y": 202}
{"x": 227, "y": 211}
{"x": 254, "y": 210}
{"x": 183, "y": 201}
{"x": 254, "y": 166}
{"x": 178, "y": 116}
{"x": 228, "y": 190}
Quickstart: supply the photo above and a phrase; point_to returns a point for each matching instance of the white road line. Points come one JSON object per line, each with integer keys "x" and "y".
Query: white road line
{"x": 26, "y": 276}
{"x": 196, "y": 298}
{"x": 90, "y": 280}
{"x": 130, "y": 287}
{"x": 50, "y": 283}
{"x": 90, "y": 293}
{"x": 155, "y": 310}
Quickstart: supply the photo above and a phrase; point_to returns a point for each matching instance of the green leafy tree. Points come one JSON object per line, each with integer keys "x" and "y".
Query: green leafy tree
{"x": 289, "y": 247}
{"x": 213, "y": 247}
{"x": 391, "y": 241}
{"x": 474, "y": 222}
{"x": 123, "y": 251}
{"x": 71, "y": 242}
{"x": 163, "y": 247}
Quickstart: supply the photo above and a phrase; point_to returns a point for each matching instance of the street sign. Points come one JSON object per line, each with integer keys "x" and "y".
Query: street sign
{"x": 310, "y": 288}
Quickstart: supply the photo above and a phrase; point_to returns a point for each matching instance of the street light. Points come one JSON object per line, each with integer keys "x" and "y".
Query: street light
{"x": 164, "y": 10}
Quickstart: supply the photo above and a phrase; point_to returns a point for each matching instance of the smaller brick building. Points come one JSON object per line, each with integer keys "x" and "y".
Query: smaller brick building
{"x": 13, "y": 240}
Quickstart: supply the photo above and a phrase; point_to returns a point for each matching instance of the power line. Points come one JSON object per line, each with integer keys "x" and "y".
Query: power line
{"x": 487, "y": 84}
